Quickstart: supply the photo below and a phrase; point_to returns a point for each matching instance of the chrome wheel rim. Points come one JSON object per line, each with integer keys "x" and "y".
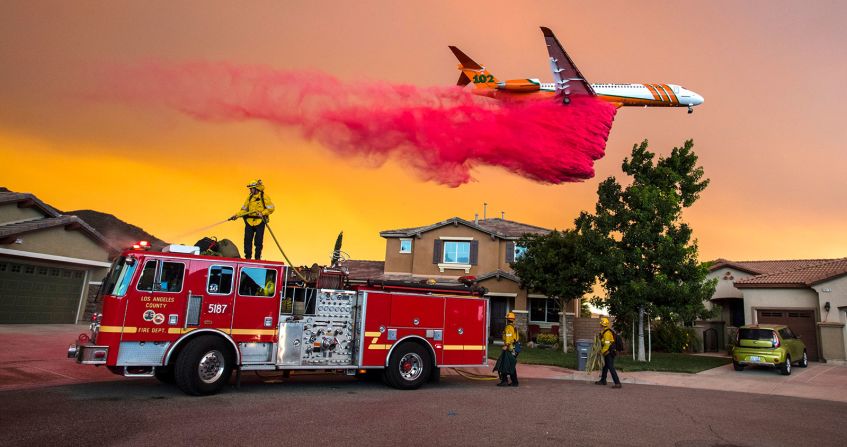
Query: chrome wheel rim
{"x": 788, "y": 364}
{"x": 805, "y": 359}
{"x": 411, "y": 366}
{"x": 211, "y": 366}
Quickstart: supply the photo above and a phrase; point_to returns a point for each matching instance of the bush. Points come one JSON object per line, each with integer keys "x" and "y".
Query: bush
{"x": 547, "y": 339}
{"x": 669, "y": 336}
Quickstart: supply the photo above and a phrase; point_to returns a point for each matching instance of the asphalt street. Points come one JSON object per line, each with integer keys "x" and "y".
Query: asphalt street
{"x": 332, "y": 410}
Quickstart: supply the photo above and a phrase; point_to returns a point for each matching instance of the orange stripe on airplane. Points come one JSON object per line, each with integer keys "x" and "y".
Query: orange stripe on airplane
{"x": 671, "y": 94}
{"x": 652, "y": 91}
{"x": 662, "y": 93}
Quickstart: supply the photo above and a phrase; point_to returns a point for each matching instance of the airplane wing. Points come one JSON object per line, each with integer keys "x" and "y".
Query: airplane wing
{"x": 569, "y": 81}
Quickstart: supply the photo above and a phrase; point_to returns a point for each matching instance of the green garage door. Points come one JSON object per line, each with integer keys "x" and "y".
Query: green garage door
{"x": 38, "y": 294}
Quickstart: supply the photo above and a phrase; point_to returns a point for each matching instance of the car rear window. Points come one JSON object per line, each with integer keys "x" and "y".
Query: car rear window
{"x": 755, "y": 334}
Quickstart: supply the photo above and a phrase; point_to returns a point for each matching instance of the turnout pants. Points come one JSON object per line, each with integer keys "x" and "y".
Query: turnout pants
{"x": 609, "y": 366}
{"x": 253, "y": 235}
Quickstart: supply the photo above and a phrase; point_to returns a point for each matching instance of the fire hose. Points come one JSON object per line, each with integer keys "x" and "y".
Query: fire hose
{"x": 296, "y": 271}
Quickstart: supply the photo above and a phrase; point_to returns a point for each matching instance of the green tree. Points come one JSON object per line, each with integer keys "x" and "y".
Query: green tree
{"x": 644, "y": 250}
{"x": 557, "y": 265}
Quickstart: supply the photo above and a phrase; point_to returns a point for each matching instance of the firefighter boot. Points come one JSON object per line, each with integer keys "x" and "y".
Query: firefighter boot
{"x": 503, "y": 381}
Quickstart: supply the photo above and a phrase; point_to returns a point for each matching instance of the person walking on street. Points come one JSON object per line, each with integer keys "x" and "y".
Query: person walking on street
{"x": 607, "y": 341}
{"x": 506, "y": 365}
{"x": 255, "y": 212}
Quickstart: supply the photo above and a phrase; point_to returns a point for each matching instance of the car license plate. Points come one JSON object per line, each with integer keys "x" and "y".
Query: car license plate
{"x": 754, "y": 358}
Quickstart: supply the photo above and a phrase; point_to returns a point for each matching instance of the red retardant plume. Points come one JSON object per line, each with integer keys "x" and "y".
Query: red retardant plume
{"x": 443, "y": 132}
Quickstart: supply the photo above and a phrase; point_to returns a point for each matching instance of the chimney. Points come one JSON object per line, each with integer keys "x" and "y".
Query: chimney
{"x": 503, "y": 215}
{"x": 476, "y": 218}
{"x": 484, "y": 210}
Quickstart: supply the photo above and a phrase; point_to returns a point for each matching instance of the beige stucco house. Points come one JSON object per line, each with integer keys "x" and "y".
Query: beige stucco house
{"x": 484, "y": 248}
{"x": 808, "y": 295}
{"x": 50, "y": 263}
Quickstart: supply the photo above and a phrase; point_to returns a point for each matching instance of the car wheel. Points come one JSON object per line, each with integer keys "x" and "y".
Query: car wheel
{"x": 804, "y": 362}
{"x": 409, "y": 367}
{"x": 786, "y": 367}
{"x": 204, "y": 366}
{"x": 737, "y": 366}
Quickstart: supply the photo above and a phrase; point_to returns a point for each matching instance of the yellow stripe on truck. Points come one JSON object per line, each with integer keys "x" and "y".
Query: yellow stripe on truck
{"x": 464, "y": 347}
{"x": 379, "y": 347}
{"x": 372, "y": 334}
{"x": 128, "y": 329}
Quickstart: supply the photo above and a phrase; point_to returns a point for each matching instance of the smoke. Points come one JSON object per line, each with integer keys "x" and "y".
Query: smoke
{"x": 442, "y": 132}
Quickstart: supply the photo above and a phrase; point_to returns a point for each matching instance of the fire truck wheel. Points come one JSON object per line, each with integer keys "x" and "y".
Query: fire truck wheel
{"x": 409, "y": 367}
{"x": 204, "y": 366}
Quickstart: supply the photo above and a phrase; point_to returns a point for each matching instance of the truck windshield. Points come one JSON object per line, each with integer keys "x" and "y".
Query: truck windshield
{"x": 120, "y": 276}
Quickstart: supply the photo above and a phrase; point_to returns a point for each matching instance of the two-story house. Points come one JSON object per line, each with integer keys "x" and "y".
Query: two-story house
{"x": 483, "y": 248}
{"x": 51, "y": 264}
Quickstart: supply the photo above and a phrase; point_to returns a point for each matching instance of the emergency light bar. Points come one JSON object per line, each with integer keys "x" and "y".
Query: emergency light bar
{"x": 179, "y": 248}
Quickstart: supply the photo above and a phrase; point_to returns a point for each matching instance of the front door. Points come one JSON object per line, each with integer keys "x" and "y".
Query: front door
{"x": 499, "y": 308}
{"x": 211, "y": 287}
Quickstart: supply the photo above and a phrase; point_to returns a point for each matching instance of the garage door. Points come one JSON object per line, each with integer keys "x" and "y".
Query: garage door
{"x": 801, "y": 322}
{"x": 38, "y": 294}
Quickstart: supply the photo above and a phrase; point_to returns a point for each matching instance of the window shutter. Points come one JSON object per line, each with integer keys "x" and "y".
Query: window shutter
{"x": 436, "y": 251}
{"x": 510, "y": 252}
{"x": 474, "y": 252}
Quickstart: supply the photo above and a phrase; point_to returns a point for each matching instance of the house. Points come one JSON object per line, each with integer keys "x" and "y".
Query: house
{"x": 484, "y": 248}
{"x": 808, "y": 295}
{"x": 50, "y": 263}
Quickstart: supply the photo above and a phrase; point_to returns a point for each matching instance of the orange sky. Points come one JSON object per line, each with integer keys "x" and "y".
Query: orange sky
{"x": 769, "y": 135}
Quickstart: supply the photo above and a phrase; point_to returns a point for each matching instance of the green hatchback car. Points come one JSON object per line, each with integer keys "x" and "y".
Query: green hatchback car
{"x": 768, "y": 345}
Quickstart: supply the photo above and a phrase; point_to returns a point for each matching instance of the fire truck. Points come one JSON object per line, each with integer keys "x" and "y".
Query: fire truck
{"x": 192, "y": 320}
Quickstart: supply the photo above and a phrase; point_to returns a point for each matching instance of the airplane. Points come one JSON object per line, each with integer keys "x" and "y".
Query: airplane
{"x": 569, "y": 82}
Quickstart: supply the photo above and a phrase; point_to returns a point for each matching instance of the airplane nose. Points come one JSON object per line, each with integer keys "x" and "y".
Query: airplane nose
{"x": 696, "y": 99}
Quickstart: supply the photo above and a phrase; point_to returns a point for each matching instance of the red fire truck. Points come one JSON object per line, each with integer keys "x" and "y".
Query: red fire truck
{"x": 192, "y": 320}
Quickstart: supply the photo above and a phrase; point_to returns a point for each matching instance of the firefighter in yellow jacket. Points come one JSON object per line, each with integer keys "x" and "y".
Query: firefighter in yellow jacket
{"x": 255, "y": 212}
{"x": 506, "y": 365}
{"x": 607, "y": 340}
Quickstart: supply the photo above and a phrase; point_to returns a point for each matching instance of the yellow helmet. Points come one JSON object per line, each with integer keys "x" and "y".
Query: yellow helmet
{"x": 604, "y": 322}
{"x": 255, "y": 183}
{"x": 510, "y": 316}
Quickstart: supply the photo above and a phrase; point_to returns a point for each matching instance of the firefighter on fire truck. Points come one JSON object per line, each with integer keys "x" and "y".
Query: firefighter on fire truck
{"x": 255, "y": 211}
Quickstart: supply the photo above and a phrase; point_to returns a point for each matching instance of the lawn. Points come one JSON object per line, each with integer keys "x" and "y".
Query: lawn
{"x": 684, "y": 363}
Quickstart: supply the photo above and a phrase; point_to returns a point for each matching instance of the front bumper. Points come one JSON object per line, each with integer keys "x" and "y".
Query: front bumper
{"x": 88, "y": 354}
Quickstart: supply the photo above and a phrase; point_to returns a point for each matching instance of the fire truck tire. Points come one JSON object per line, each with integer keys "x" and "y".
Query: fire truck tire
{"x": 165, "y": 374}
{"x": 204, "y": 366}
{"x": 409, "y": 367}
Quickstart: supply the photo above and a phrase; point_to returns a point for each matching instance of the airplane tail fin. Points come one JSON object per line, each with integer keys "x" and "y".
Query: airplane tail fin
{"x": 473, "y": 72}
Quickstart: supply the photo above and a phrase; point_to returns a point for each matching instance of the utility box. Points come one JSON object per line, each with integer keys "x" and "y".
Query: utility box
{"x": 583, "y": 348}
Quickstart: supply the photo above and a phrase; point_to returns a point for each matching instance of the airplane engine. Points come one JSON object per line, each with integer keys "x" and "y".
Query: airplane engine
{"x": 520, "y": 85}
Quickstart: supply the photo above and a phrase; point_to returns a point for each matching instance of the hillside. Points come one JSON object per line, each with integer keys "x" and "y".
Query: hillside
{"x": 117, "y": 232}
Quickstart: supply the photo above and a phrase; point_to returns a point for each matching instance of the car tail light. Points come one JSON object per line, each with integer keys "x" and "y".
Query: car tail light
{"x": 775, "y": 341}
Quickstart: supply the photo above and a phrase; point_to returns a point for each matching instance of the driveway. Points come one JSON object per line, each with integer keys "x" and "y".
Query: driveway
{"x": 35, "y": 357}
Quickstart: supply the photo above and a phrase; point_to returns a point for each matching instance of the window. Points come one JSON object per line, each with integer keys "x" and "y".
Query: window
{"x": 457, "y": 252}
{"x": 405, "y": 245}
{"x": 29, "y": 269}
{"x": 148, "y": 274}
{"x": 166, "y": 277}
{"x": 256, "y": 281}
{"x": 118, "y": 280}
{"x": 220, "y": 280}
{"x": 543, "y": 310}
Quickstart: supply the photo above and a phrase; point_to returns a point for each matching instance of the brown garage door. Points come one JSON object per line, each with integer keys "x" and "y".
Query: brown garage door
{"x": 801, "y": 322}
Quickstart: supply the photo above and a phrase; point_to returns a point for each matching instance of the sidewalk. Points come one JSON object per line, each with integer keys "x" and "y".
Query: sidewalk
{"x": 35, "y": 356}
{"x": 818, "y": 381}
